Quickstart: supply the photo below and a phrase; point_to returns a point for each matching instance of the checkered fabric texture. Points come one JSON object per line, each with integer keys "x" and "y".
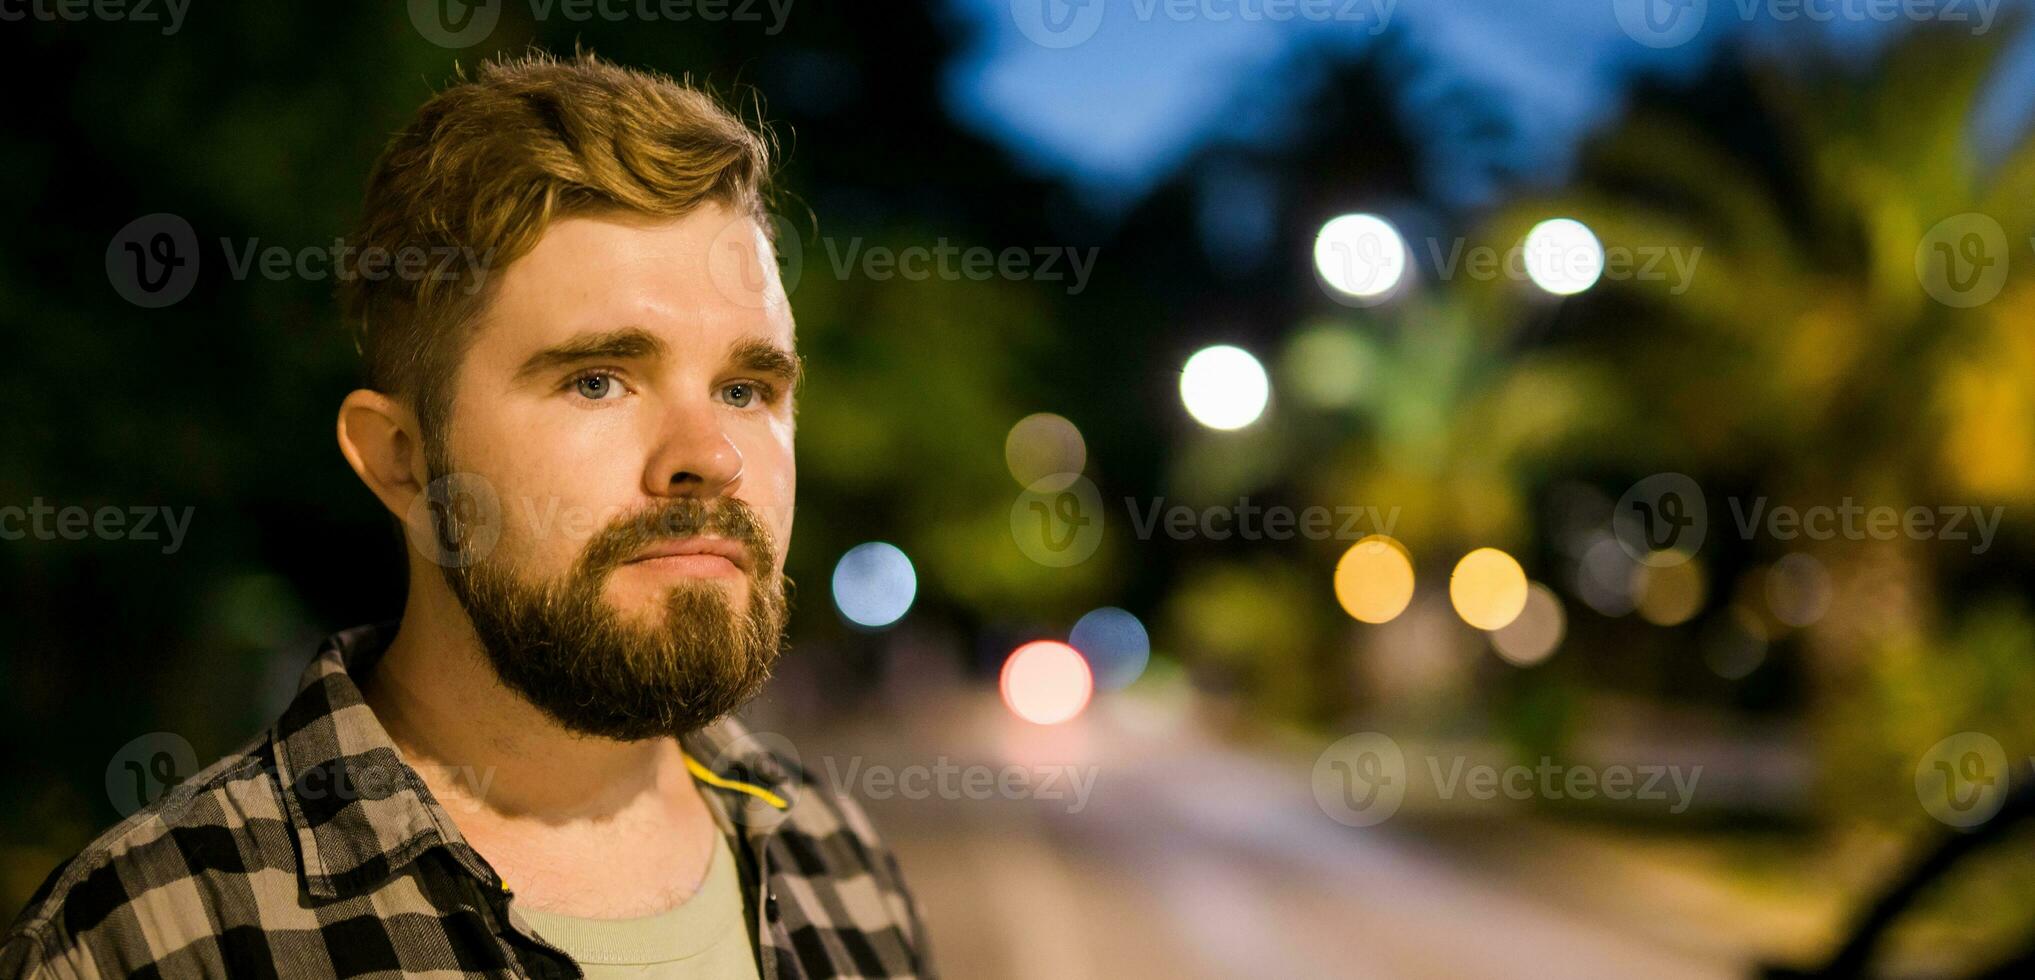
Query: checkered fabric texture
{"x": 314, "y": 851}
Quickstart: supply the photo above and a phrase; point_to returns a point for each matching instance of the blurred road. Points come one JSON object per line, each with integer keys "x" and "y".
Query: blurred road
{"x": 1194, "y": 859}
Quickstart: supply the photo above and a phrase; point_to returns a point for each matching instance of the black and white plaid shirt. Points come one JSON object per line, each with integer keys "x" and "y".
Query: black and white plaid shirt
{"x": 314, "y": 851}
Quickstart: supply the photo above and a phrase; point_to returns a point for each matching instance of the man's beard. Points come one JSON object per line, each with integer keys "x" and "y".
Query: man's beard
{"x": 675, "y": 669}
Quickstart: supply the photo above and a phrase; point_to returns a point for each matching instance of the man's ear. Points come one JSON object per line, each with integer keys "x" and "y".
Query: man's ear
{"x": 383, "y": 443}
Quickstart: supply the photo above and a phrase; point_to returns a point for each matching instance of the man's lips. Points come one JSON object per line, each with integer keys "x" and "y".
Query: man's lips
{"x": 702, "y": 555}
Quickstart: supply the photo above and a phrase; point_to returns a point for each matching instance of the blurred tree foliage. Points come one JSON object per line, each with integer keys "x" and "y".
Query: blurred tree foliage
{"x": 1806, "y": 363}
{"x": 1803, "y": 362}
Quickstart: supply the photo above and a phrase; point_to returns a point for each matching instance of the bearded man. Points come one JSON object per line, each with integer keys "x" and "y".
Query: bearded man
{"x": 534, "y": 772}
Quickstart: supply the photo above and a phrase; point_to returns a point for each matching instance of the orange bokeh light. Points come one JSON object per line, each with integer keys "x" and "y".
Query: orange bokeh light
{"x": 1374, "y": 579}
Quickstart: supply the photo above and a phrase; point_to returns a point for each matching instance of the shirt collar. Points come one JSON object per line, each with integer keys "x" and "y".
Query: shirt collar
{"x": 360, "y": 814}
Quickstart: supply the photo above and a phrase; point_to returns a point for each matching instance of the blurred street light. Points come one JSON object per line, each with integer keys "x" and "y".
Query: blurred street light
{"x": 1670, "y": 595}
{"x": 1360, "y": 256}
{"x": 1798, "y": 589}
{"x": 1606, "y": 576}
{"x": 1563, "y": 256}
{"x": 1046, "y": 682}
{"x": 1042, "y": 445}
{"x": 1224, "y": 387}
{"x": 1488, "y": 589}
{"x": 1116, "y": 644}
{"x": 874, "y": 584}
{"x": 1536, "y": 633}
{"x": 1374, "y": 579}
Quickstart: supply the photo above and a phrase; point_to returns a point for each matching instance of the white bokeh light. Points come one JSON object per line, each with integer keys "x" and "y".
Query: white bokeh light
{"x": 1224, "y": 387}
{"x": 1361, "y": 256}
{"x": 1563, "y": 256}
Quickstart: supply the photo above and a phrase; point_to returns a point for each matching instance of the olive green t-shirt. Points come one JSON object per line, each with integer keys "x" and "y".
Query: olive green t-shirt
{"x": 703, "y": 937}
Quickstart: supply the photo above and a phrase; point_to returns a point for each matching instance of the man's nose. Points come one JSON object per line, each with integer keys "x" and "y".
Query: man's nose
{"x": 694, "y": 457}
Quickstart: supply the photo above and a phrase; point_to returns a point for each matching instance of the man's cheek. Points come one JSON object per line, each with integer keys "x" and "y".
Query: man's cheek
{"x": 780, "y": 521}
{"x": 548, "y": 530}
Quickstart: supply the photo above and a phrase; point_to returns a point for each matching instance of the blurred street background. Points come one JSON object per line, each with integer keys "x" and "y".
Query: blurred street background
{"x": 1445, "y": 488}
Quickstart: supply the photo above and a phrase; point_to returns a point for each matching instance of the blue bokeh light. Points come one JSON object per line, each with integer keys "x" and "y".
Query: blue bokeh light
{"x": 874, "y": 584}
{"x": 1116, "y": 645}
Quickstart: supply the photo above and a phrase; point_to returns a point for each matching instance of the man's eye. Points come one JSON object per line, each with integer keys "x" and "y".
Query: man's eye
{"x": 742, "y": 394}
{"x": 597, "y": 387}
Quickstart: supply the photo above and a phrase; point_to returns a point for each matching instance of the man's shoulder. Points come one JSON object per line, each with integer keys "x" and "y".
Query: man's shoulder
{"x": 130, "y": 891}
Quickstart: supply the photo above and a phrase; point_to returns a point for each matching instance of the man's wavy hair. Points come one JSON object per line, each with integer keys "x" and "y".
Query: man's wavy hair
{"x": 487, "y": 164}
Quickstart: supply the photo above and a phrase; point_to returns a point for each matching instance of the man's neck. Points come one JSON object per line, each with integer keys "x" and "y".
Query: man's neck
{"x": 579, "y": 825}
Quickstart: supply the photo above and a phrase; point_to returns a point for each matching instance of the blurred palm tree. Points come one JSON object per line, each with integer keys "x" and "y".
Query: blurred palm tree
{"x": 1855, "y": 330}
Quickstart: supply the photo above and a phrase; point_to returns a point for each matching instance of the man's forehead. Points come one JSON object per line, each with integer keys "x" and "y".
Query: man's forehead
{"x": 603, "y": 273}
{"x": 582, "y": 253}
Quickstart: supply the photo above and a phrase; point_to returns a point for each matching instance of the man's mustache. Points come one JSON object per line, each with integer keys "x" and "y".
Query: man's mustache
{"x": 676, "y": 520}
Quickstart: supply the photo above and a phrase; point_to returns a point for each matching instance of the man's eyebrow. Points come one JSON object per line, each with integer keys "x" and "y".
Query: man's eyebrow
{"x": 764, "y": 357}
{"x": 624, "y": 343}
